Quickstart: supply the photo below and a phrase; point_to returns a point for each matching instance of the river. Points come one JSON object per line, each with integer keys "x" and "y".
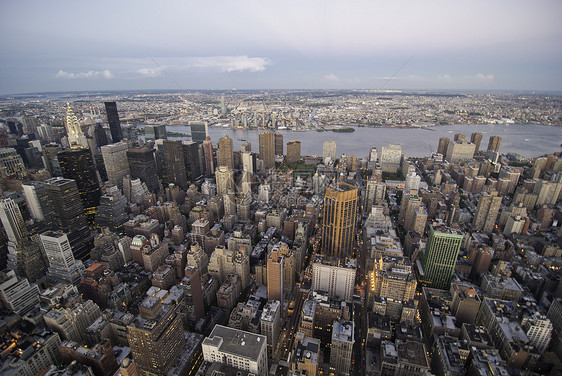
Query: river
{"x": 527, "y": 140}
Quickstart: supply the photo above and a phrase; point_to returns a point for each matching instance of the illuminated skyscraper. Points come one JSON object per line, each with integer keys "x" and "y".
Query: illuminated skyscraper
{"x": 113, "y": 120}
{"x": 78, "y": 165}
{"x": 76, "y": 137}
{"x": 340, "y": 215}
{"x": 440, "y": 258}
{"x": 267, "y": 149}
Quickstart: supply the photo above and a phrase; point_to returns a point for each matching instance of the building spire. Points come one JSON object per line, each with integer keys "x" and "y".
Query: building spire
{"x": 76, "y": 138}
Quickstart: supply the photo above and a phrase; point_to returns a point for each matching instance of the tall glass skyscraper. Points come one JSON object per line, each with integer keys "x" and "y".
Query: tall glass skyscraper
{"x": 199, "y": 131}
{"x": 113, "y": 120}
{"x": 440, "y": 258}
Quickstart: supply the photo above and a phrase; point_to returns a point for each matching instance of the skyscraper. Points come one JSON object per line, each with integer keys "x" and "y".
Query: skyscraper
{"x": 100, "y": 136}
{"x": 339, "y": 217}
{"x": 24, "y": 255}
{"x": 487, "y": 212}
{"x": 175, "y": 172}
{"x": 156, "y": 337}
{"x": 208, "y": 156}
{"x": 76, "y": 137}
{"x": 199, "y": 131}
{"x": 226, "y": 155}
{"x": 116, "y": 162}
{"x": 38, "y": 203}
{"x": 440, "y": 258}
{"x": 293, "y": 151}
{"x": 225, "y": 180}
{"x": 275, "y": 275}
{"x": 341, "y": 350}
{"x": 78, "y": 165}
{"x": 329, "y": 150}
{"x": 494, "y": 143}
{"x": 113, "y": 120}
{"x": 192, "y": 154}
{"x": 142, "y": 165}
{"x": 476, "y": 139}
{"x": 278, "y": 143}
{"x": 267, "y": 149}
{"x": 62, "y": 265}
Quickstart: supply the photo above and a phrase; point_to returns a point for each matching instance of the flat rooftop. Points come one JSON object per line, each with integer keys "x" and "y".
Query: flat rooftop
{"x": 236, "y": 342}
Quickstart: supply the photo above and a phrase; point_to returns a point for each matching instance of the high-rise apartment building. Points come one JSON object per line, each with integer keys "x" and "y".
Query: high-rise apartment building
{"x": 329, "y": 151}
{"x": 487, "y": 212}
{"x": 341, "y": 350}
{"x": 440, "y": 258}
{"x": 236, "y": 348}
{"x": 224, "y": 261}
{"x": 293, "y": 151}
{"x": 270, "y": 323}
{"x": 459, "y": 151}
{"x": 62, "y": 265}
{"x": 226, "y": 153}
{"x": 116, "y": 162}
{"x": 78, "y": 164}
{"x": 339, "y": 217}
{"x": 476, "y": 139}
{"x": 267, "y": 149}
{"x": 199, "y": 131}
{"x": 113, "y": 121}
{"x": 442, "y": 146}
{"x": 142, "y": 165}
{"x": 494, "y": 143}
{"x": 156, "y": 337}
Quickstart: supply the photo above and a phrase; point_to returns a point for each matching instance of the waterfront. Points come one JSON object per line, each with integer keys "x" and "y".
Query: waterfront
{"x": 527, "y": 140}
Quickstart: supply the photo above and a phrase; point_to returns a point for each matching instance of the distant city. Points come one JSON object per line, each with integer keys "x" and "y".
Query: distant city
{"x": 275, "y": 232}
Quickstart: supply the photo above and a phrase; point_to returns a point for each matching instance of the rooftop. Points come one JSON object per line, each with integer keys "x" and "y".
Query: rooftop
{"x": 236, "y": 342}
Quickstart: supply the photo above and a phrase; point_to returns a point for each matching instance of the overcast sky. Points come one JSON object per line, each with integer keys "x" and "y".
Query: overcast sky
{"x": 111, "y": 45}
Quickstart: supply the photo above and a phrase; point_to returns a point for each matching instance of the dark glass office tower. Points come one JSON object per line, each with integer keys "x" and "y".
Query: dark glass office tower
{"x": 100, "y": 135}
{"x": 193, "y": 161}
{"x": 113, "y": 120}
{"x": 199, "y": 131}
{"x": 142, "y": 165}
{"x": 175, "y": 171}
{"x": 78, "y": 164}
{"x": 69, "y": 211}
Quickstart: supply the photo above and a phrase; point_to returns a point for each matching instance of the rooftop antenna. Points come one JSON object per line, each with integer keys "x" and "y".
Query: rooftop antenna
{"x": 394, "y": 74}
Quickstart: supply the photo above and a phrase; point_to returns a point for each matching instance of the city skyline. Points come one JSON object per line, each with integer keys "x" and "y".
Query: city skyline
{"x": 64, "y": 46}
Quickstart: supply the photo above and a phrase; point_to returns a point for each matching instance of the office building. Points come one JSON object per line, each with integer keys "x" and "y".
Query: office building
{"x": 111, "y": 212}
{"x": 225, "y": 181}
{"x": 341, "y": 350}
{"x": 270, "y": 324}
{"x": 155, "y": 132}
{"x": 193, "y": 158}
{"x": 113, "y": 121}
{"x": 226, "y": 153}
{"x": 440, "y": 258}
{"x": 442, "y": 146}
{"x": 460, "y": 150}
{"x": 156, "y": 337}
{"x": 76, "y": 137}
{"x": 199, "y": 131}
{"x": 339, "y": 217}
{"x": 278, "y": 143}
{"x": 78, "y": 164}
{"x": 11, "y": 163}
{"x": 275, "y": 266}
{"x": 237, "y": 348}
{"x": 99, "y": 357}
{"x": 71, "y": 323}
{"x": 142, "y": 165}
{"x": 306, "y": 356}
{"x": 116, "y": 162}
{"x": 267, "y": 149}
{"x": 337, "y": 279}
{"x": 390, "y": 158}
{"x": 293, "y": 151}
{"x": 494, "y": 143}
{"x": 487, "y": 212}
{"x": 175, "y": 172}
{"x": 224, "y": 261}
{"x": 24, "y": 255}
{"x": 16, "y": 293}
{"x": 208, "y": 156}
{"x": 538, "y": 329}
{"x": 38, "y": 203}
{"x": 329, "y": 151}
{"x": 62, "y": 265}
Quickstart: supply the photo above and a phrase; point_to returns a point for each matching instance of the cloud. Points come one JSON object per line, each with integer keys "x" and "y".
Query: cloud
{"x": 90, "y": 74}
{"x": 149, "y": 72}
{"x": 228, "y": 63}
{"x": 331, "y": 77}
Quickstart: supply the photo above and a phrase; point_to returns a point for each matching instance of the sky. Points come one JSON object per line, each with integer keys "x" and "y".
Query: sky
{"x": 307, "y": 44}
